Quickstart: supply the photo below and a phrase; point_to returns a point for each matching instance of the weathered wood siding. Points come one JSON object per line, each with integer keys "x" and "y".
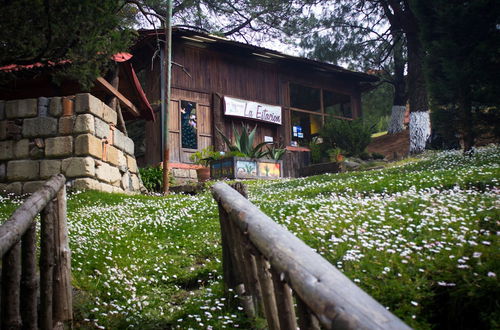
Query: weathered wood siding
{"x": 214, "y": 73}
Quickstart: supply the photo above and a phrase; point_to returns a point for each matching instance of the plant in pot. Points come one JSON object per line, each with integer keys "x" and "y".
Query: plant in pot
{"x": 243, "y": 142}
{"x": 336, "y": 155}
{"x": 203, "y": 158}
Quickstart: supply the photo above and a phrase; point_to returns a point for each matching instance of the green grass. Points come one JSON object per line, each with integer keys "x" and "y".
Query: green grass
{"x": 421, "y": 236}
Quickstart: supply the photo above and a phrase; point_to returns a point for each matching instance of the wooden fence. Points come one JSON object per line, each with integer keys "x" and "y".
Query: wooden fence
{"x": 20, "y": 279}
{"x": 281, "y": 278}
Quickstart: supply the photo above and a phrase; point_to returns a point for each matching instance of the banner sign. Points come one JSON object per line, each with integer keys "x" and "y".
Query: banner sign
{"x": 252, "y": 110}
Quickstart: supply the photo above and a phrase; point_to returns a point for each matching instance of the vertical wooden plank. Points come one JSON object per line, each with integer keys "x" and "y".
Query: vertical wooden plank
{"x": 11, "y": 282}
{"x": 284, "y": 302}
{"x": 251, "y": 253}
{"x": 228, "y": 266}
{"x": 306, "y": 319}
{"x": 46, "y": 265}
{"x": 29, "y": 282}
{"x": 62, "y": 295}
{"x": 267, "y": 289}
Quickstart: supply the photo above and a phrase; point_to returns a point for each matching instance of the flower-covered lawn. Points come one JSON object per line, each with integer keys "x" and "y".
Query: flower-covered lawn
{"x": 421, "y": 237}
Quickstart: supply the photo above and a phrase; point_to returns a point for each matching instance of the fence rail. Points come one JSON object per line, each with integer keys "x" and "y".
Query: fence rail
{"x": 273, "y": 271}
{"x": 20, "y": 283}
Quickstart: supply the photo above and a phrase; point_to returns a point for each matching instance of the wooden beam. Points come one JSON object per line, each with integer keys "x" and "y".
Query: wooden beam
{"x": 123, "y": 100}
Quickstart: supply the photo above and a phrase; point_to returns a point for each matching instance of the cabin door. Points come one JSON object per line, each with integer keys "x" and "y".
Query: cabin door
{"x": 190, "y": 125}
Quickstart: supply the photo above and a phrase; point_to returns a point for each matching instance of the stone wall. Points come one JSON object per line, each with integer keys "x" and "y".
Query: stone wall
{"x": 40, "y": 138}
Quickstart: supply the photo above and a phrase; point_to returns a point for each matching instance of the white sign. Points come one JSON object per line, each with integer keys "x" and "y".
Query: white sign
{"x": 268, "y": 138}
{"x": 253, "y": 110}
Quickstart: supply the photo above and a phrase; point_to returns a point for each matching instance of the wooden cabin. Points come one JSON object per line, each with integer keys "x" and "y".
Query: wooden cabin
{"x": 220, "y": 83}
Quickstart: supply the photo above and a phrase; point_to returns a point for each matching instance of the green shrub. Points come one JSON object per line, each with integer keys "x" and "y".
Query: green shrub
{"x": 152, "y": 178}
{"x": 351, "y": 136}
{"x": 376, "y": 155}
{"x": 365, "y": 155}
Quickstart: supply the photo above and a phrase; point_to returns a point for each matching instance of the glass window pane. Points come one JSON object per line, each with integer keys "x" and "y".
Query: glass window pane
{"x": 306, "y": 98}
{"x": 337, "y": 104}
{"x": 189, "y": 136}
{"x": 304, "y": 126}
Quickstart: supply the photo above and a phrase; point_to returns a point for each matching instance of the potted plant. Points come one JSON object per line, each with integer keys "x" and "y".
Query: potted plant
{"x": 245, "y": 160}
{"x": 336, "y": 155}
{"x": 203, "y": 158}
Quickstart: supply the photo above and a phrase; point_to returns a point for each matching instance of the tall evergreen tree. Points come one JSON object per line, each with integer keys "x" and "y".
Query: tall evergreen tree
{"x": 81, "y": 32}
{"x": 461, "y": 40}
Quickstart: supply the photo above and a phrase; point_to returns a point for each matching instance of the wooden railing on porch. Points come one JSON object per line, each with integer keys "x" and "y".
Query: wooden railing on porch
{"x": 273, "y": 271}
{"x": 19, "y": 306}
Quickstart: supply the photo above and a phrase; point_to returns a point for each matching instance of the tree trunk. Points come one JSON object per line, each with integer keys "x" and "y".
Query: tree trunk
{"x": 467, "y": 132}
{"x": 420, "y": 129}
{"x": 396, "y": 124}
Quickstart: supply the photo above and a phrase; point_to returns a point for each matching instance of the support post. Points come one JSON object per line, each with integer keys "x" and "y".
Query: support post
{"x": 167, "y": 63}
{"x": 284, "y": 302}
{"x": 63, "y": 299}
{"x": 46, "y": 265}
{"x": 29, "y": 283}
{"x": 266, "y": 287}
{"x": 11, "y": 282}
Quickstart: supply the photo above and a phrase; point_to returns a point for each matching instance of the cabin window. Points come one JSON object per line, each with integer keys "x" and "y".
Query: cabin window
{"x": 189, "y": 136}
{"x": 306, "y": 98}
{"x": 337, "y": 104}
{"x": 304, "y": 126}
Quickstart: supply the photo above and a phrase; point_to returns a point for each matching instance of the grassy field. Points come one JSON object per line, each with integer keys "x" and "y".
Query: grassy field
{"x": 420, "y": 236}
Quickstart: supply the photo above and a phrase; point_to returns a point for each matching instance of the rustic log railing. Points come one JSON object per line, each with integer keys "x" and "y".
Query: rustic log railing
{"x": 273, "y": 271}
{"x": 20, "y": 283}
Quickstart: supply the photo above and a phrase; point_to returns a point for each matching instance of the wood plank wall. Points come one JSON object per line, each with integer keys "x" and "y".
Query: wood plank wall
{"x": 214, "y": 72}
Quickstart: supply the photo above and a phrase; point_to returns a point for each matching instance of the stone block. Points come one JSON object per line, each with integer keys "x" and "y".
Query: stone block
{"x": 3, "y": 130}
{"x": 32, "y": 186}
{"x": 49, "y": 167}
{"x": 109, "y": 115}
{"x": 123, "y": 143}
{"x": 86, "y": 184}
{"x": 131, "y": 164}
{"x": 126, "y": 183}
{"x": 107, "y": 188}
{"x": 40, "y": 127}
{"x": 84, "y": 124}
{"x": 122, "y": 161}
{"x": 22, "y": 149}
{"x": 14, "y": 187}
{"x": 136, "y": 185}
{"x": 2, "y": 110}
{"x": 180, "y": 173}
{"x": 55, "y": 107}
{"x": 87, "y": 103}
{"x": 6, "y": 150}
{"x": 2, "y": 172}
{"x": 14, "y": 129}
{"x": 101, "y": 128}
{"x": 21, "y": 108}
{"x": 66, "y": 125}
{"x": 113, "y": 156}
{"x": 78, "y": 167}
{"x": 22, "y": 170}
{"x": 108, "y": 173}
{"x": 59, "y": 146}
{"x": 43, "y": 106}
{"x": 192, "y": 174}
{"x": 88, "y": 144}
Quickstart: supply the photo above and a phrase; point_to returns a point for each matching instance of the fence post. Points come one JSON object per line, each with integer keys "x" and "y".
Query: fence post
{"x": 62, "y": 295}
{"x": 46, "y": 265}
{"x": 11, "y": 281}
{"x": 29, "y": 283}
{"x": 284, "y": 302}
{"x": 307, "y": 320}
{"x": 266, "y": 287}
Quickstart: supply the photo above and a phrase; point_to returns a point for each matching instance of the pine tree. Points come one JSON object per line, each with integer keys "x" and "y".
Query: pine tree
{"x": 462, "y": 45}
{"x": 82, "y": 33}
